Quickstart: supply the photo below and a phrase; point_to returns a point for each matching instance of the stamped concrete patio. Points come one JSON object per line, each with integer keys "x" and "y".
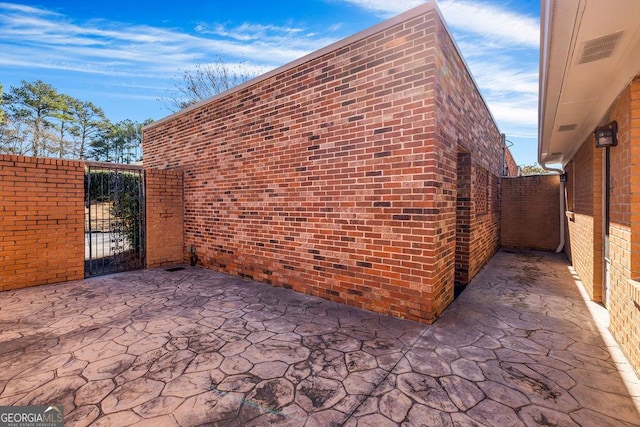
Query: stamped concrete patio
{"x": 519, "y": 347}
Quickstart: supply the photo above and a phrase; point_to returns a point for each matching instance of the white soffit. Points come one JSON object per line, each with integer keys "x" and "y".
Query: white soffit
{"x": 590, "y": 51}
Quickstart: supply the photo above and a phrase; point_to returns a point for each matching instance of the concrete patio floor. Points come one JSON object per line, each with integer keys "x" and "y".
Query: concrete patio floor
{"x": 519, "y": 347}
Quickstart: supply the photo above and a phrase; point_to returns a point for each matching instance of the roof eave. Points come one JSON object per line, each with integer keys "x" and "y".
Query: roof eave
{"x": 577, "y": 91}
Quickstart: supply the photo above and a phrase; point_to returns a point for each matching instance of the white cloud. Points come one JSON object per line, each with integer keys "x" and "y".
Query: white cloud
{"x": 40, "y": 39}
{"x": 472, "y": 16}
{"x": 514, "y": 113}
{"x": 26, "y": 9}
{"x": 386, "y": 7}
{"x": 246, "y": 31}
{"x": 499, "y": 78}
{"x": 492, "y": 22}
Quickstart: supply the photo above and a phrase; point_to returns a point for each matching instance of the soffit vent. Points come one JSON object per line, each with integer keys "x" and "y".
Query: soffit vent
{"x": 599, "y": 48}
{"x": 565, "y": 128}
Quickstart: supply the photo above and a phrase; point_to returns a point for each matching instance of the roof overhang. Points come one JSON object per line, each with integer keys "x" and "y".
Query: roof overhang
{"x": 589, "y": 52}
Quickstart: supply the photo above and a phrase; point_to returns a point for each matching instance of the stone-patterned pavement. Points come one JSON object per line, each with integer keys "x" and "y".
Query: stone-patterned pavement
{"x": 519, "y": 347}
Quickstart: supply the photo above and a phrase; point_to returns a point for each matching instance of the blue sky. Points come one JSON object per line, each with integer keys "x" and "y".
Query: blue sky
{"x": 126, "y": 55}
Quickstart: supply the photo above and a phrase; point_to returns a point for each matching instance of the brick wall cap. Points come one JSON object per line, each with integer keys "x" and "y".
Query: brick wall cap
{"x": 41, "y": 160}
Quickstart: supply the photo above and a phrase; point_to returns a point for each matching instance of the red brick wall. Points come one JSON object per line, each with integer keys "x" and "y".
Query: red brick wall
{"x": 164, "y": 217}
{"x": 463, "y": 124}
{"x": 531, "y": 212}
{"x": 511, "y": 167}
{"x": 584, "y": 221}
{"x": 634, "y": 202}
{"x": 624, "y": 229}
{"x": 585, "y": 235}
{"x": 41, "y": 221}
{"x": 326, "y": 177}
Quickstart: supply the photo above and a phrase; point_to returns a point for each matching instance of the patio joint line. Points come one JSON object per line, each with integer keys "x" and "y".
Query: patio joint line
{"x": 404, "y": 356}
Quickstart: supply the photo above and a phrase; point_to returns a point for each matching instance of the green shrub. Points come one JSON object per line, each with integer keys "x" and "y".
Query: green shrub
{"x": 123, "y": 190}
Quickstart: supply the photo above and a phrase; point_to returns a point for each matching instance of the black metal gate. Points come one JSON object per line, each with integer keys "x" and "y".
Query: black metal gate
{"x": 114, "y": 218}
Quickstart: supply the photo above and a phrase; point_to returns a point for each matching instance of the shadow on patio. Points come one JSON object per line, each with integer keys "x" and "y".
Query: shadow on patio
{"x": 192, "y": 347}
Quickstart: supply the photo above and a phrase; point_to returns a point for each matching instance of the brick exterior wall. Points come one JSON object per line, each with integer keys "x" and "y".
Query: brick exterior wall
{"x": 510, "y": 166}
{"x": 624, "y": 228}
{"x": 584, "y": 220}
{"x": 164, "y": 217}
{"x": 531, "y": 212}
{"x": 585, "y": 231}
{"x": 42, "y": 221}
{"x": 463, "y": 124}
{"x": 336, "y": 176}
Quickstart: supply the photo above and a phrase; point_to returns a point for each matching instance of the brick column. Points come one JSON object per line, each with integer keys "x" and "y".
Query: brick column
{"x": 165, "y": 217}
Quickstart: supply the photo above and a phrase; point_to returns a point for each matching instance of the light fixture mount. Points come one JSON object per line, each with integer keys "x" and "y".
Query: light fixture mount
{"x": 607, "y": 135}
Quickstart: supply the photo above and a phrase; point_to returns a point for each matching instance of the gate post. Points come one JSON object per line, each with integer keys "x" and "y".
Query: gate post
{"x": 165, "y": 217}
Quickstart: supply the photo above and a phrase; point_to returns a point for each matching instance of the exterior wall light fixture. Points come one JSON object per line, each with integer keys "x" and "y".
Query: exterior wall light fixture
{"x": 607, "y": 135}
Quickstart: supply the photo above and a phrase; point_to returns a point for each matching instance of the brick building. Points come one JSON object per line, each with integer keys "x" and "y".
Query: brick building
{"x": 589, "y": 78}
{"x": 367, "y": 172}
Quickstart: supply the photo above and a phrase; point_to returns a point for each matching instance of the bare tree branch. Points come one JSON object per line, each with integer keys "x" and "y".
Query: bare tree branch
{"x": 203, "y": 82}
